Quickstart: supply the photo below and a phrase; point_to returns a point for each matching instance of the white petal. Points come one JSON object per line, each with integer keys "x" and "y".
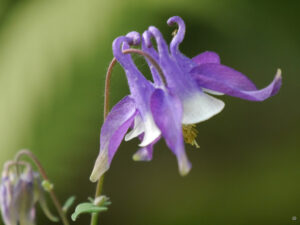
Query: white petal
{"x": 151, "y": 131}
{"x": 138, "y": 128}
{"x": 200, "y": 107}
{"x": 212, "y": 92}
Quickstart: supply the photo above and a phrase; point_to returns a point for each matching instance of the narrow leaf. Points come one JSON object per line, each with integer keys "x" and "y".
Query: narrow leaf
{"x": 87, "y": 207}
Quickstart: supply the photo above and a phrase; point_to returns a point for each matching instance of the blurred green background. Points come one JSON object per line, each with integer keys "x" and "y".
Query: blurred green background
{"x": 53, "y": 58}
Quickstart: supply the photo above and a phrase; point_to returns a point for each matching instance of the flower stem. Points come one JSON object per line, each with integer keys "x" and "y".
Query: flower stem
{"x": 45, "y": 177}
{"x": 99, "y": 188}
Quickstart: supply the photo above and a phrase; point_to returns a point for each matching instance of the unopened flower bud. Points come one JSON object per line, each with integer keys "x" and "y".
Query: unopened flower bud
{"x": 20, "y": 189}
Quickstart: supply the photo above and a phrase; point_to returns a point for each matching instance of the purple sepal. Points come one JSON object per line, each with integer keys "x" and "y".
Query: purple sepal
{"x": 226, "y": 80}
{"x": 113, "y": 131}
{"x": 116, "y": 125}
{"x": 167, "y": 113}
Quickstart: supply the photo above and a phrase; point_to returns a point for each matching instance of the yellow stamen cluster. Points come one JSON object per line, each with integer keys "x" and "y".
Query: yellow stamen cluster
{"x": 189, "y": 134}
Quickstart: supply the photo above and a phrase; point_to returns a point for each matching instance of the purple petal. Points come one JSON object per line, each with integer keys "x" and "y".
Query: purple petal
{"x": 207, "y": 57}
{"x": 228, "y": 81}
{"x": 167, "y": 113}
{"x": 145, "y": 153}
{"x": 113, "y": 130}
{"x": 224, "y": 74}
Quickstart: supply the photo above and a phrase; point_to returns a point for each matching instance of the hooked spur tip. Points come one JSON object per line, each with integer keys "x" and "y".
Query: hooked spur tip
{"x": 147, "y": 38}
{"x": 174, "y": 19}
{"x": 155, "y": 33}
{"x": 134, "y": 38}
{"x": 152, "y": 30}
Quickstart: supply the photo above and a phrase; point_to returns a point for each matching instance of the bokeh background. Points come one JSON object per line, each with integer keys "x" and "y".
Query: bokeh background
{"x": 53, "y": 58}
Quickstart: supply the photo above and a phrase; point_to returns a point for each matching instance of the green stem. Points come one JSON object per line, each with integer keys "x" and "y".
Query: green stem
{"x": 45, "y": 177}
{"x": 99, "y": 188}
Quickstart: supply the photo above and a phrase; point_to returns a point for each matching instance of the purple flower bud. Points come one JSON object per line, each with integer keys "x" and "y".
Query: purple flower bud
{"x": 20, "y": 189}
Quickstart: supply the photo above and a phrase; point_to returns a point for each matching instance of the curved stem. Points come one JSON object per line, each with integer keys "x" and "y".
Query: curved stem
{"x": 45, "y": 177}
{"x": 107, "y": 86}
{"x": 99, "y": 187}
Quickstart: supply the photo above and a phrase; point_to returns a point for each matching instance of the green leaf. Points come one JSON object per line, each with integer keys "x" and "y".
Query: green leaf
{"x": 68, "y": 203}
{"x": 87, "y": 207}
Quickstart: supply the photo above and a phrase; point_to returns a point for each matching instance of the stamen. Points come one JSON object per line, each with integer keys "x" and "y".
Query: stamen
{"x": 189, "y": 134}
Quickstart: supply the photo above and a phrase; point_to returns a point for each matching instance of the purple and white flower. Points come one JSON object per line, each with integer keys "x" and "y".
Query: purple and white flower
{"x": 170, "y": 108}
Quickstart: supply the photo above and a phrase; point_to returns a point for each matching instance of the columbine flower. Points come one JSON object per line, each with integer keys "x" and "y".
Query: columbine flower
{"x": 19, "y": 194}
{"x": 173, "y": 108}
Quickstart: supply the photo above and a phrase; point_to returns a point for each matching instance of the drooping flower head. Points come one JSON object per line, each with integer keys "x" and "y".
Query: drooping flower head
{"x": 19, "y": 192}
{"x": 170, "y": 107}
